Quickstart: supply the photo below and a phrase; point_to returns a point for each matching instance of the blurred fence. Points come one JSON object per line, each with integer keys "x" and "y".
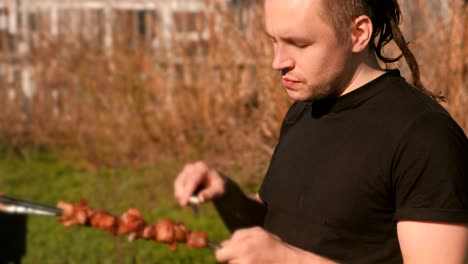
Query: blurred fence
{"x": 128, "y": 83}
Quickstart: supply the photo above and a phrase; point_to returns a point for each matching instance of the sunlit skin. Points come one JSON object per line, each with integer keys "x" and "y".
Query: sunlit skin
{"x": 312, "y": 61}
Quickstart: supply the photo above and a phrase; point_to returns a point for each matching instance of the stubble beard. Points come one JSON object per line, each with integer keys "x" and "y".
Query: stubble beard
{"x": 324, "y": 92}
{"x": 332, "y": 90}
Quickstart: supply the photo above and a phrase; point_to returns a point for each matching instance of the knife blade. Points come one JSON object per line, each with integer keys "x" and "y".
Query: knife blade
{"x": 194, "y": 202}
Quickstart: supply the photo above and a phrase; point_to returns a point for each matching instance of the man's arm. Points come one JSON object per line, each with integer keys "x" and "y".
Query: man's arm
{"x": 256, "y": 245}
{"x": 237, "y": 209}
{"x": 430, "y": 242}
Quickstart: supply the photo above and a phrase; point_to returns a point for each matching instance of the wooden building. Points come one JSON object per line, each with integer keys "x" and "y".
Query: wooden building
{"x": 104, "y": 20}
{"x": 156, "y": 23}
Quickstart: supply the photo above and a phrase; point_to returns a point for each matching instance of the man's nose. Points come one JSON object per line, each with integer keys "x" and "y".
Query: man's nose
{"x": 282, "y": 60}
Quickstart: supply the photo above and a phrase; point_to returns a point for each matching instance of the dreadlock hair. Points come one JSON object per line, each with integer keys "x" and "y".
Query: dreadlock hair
{"x": 385, "y": 16}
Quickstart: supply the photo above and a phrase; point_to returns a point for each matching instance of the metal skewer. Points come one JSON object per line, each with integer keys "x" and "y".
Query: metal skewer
{"x": 18, "y": 209}
{"x": 213, "y": 245}
{"x": 194, "y": 201}
{"x": 15, "y": 206}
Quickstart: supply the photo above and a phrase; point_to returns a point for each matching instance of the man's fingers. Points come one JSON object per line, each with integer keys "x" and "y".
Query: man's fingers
{"x": 188, "y": 180}
{"x": 189, "y": 189}
{"x": 206, "y": 195}
{"x": 242, "y": 245}
{"x": 209, "y": 193}
{"x": 215, "y": 186}
{"x": 179, "y": 186}
{"x": 234, "y": 247}
{"x": 198, "y": 179}
{"x": 184, "y": 184}
{"x": 226, "y": 252}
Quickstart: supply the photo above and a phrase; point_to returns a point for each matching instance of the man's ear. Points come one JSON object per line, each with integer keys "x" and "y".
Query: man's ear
{"x": 361, "y": 33}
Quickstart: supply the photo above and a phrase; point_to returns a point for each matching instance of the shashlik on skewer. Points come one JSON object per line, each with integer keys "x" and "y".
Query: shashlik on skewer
{"x": 131, "y": 223}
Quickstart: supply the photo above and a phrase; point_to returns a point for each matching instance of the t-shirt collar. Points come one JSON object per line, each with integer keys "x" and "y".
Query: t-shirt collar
{"x": 353, "y": 98}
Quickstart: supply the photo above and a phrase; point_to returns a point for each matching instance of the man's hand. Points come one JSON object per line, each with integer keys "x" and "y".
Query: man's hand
{"x": 198, "y": 176}
{"x": 256, "y": 245}
{"x": 253, "y": 245}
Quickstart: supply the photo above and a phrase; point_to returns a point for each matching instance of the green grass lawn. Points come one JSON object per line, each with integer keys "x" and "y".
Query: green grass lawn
{"x": 45, "y": 179}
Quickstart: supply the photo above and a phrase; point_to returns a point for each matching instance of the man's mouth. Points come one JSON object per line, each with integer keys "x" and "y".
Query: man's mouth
{"x": 290, "y": 83}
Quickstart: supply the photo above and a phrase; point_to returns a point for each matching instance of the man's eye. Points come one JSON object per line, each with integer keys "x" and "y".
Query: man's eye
{"x": 300, "y": 45}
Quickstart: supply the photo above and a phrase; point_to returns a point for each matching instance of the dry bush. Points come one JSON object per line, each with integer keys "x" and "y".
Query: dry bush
{"x": 437, "y": 31}
{"x": 136, "y": 105}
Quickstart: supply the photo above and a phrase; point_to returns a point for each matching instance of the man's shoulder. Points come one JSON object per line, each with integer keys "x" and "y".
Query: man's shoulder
{"x": 398, "y": 109}
{"x": 404, "y": 97}
{"x": 402, "y": 103}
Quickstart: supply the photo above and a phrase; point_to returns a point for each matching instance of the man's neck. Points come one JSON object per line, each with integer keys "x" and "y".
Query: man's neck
{"x": 365, "y": 71}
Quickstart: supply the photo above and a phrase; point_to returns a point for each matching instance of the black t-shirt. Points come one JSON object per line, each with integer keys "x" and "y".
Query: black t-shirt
{"x": 346, "y": 170}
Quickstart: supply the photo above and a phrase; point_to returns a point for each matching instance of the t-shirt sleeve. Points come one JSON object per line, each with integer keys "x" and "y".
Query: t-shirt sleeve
{"x": 430, "y": 171}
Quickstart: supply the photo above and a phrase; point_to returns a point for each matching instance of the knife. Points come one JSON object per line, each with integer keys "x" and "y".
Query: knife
{"x": 194, "y": 202}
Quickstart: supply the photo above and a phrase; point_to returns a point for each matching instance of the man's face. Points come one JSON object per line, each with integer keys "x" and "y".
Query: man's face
{"x": 313, "y": 63}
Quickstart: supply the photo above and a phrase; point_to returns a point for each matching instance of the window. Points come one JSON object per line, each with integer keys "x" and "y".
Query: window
{"x": 189, "y": 21}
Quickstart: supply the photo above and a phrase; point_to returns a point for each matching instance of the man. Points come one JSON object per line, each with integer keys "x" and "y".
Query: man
{"x": 368, "y": 169}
